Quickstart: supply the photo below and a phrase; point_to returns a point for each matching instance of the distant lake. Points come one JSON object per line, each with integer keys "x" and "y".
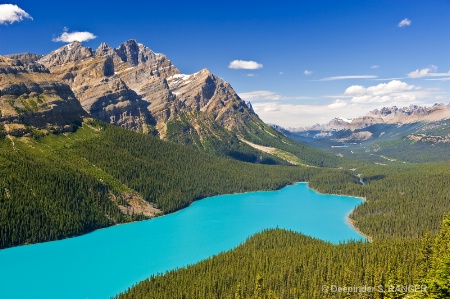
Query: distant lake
{"x": 108, "y": 261}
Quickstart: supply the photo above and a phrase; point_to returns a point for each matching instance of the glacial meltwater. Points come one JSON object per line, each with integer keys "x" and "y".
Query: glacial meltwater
{"x": 108, "y": 261}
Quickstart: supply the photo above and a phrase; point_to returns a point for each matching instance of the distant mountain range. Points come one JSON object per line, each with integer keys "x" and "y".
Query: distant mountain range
{"x": 135, "y": 88}
{"x": 386, "y": 115}
{"x": 413, "y": 134}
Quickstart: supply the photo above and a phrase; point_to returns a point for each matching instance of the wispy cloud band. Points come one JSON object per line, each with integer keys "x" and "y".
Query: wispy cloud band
{"x": 348, "y": 77}
{"x": 427, "y": 72}
{"x": 260, "y": 95}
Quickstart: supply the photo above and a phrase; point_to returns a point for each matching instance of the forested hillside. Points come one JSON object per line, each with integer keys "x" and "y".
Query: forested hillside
{"x": 283, "y": 264}
{"x": 402, "y": 200}
{"x": 41, "y": 200}
{"x": 63, "y": 185}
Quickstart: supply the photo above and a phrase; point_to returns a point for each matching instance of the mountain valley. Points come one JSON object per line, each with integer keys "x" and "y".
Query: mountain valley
{"x": 409, "y": 134}
{"x": 95, "y": 138}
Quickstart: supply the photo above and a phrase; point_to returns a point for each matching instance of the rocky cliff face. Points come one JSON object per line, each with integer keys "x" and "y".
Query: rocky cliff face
{"x": 136, "y": 54}
{"x": 21, "y": 63}
{"x": 33, "y": 99}
{"x": 101, "y": 80}
{"x": 207, "y": 93}
{"x": 138, "y": 89}
{"x": 25, "y": 58}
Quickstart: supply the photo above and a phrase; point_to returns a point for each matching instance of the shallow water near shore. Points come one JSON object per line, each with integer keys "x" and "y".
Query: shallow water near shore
{"x": 108, "y": 261}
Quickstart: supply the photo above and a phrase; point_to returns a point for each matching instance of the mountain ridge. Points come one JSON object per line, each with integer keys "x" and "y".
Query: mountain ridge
{"x": 132, "y": 66}
{"x": 133, "y": 87}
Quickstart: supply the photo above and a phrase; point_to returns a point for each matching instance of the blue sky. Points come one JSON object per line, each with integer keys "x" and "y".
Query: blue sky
{"x": 298, "y": 62}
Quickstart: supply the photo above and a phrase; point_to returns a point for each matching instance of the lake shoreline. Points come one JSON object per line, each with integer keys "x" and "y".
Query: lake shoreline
{"x": 158, "y": 215}
{"x": 123, "y": 255}
{"x": 351, "y": 222}
{"x": 348, "y": 219}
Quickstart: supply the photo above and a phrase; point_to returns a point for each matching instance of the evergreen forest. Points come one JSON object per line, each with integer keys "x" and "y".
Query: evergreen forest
{"x": 63, "y": 185}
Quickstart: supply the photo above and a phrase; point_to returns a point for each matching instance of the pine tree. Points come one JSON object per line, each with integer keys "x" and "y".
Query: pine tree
{"x": 257, "y": 293}
{"x": 238, "y": 293}
{"x": 438, "y": 281}
{"x": 425, "y": 256}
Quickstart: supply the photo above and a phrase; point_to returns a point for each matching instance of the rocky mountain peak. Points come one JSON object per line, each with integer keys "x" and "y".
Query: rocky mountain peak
{"x": 134, "y": 53}
{"x": 72, "y": 52}
{"x": 104, "y": 50}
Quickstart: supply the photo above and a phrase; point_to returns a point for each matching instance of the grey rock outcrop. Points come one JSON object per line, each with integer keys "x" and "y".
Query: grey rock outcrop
{"x": 34, "y": 99}
{"x": 25, "y": 58}
{"x": 104, "y": 50}
{"x": 134, "y": 53}
{"x": 72, "y": 52}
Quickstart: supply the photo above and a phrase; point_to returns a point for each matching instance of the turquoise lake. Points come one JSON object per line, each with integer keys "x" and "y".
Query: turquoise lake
{"x": 108, "y": 261}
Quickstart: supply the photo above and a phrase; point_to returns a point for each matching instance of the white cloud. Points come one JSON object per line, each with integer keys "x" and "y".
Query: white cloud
{"x": 375, "y": 66}
{"x": 422, "y": 73}
{"x": 355, "y": 90}
{"x": 338, "y": 104}
{"x": 272, "y": 107}
{"x": 67, "y": 37}
{"x": 427, "y": 72}
{"x": 260, "y": 95}
{"x": 390, "y": 87}
{"x": 348, "y": 77}
{"x": 307, "y": 72}
{"x": 251, "y": 75}
{"x": 246, "y": 65}
{"x": 10, "y": 13}
{"x": 405, "y": 22}
{"x": 393, "y": 91}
